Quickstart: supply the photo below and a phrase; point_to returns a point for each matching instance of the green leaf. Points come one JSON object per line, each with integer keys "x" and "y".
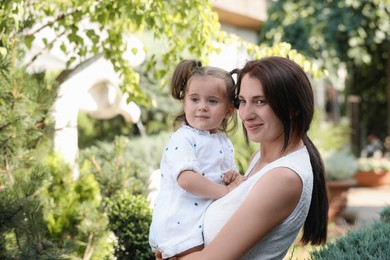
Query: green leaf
{"x": 3, "y": 52}
{"x": 63, "y": 47}
{"x": 45, "y": 42}
{"x": 28, "y": 40}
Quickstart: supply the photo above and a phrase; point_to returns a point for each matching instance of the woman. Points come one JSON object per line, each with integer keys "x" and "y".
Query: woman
{"x": 285, "y": 187}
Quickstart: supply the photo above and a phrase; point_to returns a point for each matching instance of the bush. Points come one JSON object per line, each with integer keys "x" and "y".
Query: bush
{"x": 25, "y": 139}
{"x": 385, "y": 214}
{"x": 74, "y": 213}
{"x": 130, "y": 218}
{"x": 125, "y": 163}
{"x": 340, "y": 165}
{"x": 367, "y": 243}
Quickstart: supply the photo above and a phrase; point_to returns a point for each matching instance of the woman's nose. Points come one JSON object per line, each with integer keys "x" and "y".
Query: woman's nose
{"x": 245, "y": 112}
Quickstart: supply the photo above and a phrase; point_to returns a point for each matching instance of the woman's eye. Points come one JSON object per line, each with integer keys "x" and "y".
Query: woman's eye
{"x": 241, "y": 101}
{"x": 260, "y": 101}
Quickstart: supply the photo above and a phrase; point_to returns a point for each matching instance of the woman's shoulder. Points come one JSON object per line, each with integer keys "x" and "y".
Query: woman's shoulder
{"x": 296, "y": 159}
{"x": 294, "y": 166}
{"x": 299, "y": 163}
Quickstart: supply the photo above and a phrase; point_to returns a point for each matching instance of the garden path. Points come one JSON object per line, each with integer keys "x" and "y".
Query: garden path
{"x": 365, "y": 203}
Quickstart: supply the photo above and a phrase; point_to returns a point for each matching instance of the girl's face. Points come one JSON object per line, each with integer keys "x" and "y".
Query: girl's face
{"x": 260, "y": 121}
{"x": 206, "y": 103}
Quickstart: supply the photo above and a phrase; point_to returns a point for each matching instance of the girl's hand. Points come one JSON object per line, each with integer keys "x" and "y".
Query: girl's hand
{"x": 236, "y": 182}
{"x": 232, "y": 179}
{"x": 230, "y": 176}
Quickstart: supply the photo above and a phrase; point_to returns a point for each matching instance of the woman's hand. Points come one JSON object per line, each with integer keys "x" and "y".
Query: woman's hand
{"x": 158, "y": 256}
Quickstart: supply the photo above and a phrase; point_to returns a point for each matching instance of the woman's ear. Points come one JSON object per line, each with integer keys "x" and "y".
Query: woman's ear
{"x": 294, "y": 114}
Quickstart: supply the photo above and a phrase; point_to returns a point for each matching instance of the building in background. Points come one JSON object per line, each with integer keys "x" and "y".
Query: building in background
{"x": 242, "y": 18}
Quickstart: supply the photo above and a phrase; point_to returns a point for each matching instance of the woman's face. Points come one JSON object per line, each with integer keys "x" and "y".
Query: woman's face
{"x": 260, "y": 121}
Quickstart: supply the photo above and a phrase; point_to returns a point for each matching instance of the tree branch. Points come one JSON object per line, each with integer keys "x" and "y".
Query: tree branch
{"x": 41, "y": 51}
{"x": 58, "y": 18}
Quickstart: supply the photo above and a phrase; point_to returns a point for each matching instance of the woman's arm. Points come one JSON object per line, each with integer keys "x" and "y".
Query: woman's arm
{"x": 271, "y": 200}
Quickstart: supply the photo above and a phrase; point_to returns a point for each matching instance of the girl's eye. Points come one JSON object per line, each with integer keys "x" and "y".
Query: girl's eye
{"x": 213, "y": 101}
{"x": 194, "y": 99}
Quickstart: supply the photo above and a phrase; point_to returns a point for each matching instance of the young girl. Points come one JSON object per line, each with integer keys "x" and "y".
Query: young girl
{"x": 198, "y": 160}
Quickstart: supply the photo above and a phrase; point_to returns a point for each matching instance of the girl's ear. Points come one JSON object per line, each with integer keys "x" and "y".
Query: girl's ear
{"x": 229, "y": 111}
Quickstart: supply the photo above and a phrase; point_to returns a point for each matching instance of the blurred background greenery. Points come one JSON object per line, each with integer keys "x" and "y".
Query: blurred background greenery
{"x": 104, "y": 214}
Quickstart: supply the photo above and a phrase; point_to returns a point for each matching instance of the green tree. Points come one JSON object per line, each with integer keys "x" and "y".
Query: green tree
{"x": 25, "y": 137}
{"x": 356, "y": 33}
{"x": 182, "y": 27}
{"x": 112, "y": 20}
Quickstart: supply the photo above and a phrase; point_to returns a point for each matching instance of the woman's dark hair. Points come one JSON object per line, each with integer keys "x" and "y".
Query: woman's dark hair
{"x": 185, "y": 71}
{"x": 290, "y": 95}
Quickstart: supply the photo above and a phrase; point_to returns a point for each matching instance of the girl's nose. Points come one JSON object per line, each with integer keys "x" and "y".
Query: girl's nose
{"x": 203, "y": 106}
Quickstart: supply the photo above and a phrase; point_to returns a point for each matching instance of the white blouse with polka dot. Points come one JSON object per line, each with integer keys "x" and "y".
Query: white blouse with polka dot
{"x": 178, "y": 215}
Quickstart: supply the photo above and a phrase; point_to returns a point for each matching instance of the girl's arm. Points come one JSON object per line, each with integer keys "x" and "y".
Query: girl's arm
{"x": 271, "y": 200}
{"x": 200, "y": 186}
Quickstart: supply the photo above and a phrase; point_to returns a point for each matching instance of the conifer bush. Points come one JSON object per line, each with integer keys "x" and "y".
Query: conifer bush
{"x": 43, "y": 215}
{"x": 385, "y": 214}
{"x": 370, "y": 242}
{"x": 25, "y": 139}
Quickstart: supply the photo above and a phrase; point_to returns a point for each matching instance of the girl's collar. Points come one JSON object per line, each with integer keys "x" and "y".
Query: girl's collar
{"x": 199, "y": 131}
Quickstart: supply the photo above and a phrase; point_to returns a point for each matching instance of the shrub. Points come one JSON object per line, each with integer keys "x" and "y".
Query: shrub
{"x": 125, "y": 163}
{"x": 130, "y": 218}
{"x": 385, "y": 214}
{"x": 371, "y": 242}
{"x": 340, "y": 165}
{"x": 25, "y": 139}
{"x": 374, "y": 165}
{"x": 73, "y": 211}
{"x": 329, "y": 137}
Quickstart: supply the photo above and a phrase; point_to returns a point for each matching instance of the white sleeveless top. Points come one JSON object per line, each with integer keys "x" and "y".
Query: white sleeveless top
{"x": 276, "y": 244}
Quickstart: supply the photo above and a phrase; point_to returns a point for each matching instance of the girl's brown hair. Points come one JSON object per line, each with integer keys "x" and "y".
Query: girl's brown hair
{"x": 185, "y": 71}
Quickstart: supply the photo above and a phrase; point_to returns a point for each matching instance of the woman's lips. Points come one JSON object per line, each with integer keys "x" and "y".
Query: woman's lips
{"x": 253, "y": 127}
